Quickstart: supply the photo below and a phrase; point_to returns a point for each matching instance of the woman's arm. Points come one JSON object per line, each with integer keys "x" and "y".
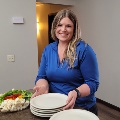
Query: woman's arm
{"x": 89, "y": 70}
{"x": 84, "y": 90}
{"x": 41, "y": 84}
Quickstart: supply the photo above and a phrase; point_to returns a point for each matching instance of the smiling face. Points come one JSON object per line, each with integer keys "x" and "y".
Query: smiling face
{"x": 64, "y": 30}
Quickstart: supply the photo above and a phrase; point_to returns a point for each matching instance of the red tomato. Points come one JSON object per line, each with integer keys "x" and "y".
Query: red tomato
{"x": 13, "y": 97}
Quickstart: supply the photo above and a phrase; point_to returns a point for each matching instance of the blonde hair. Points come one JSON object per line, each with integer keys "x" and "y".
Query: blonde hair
{"x": 70, "y": 52}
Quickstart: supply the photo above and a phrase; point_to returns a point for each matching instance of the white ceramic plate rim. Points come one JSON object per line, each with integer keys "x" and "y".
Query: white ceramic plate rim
{"x": 58, "y": 100}
{"x": 55, "y": 109}
{"x": 40, "y": 114}
{"x": 45, "y": 111}
{"x": 66, "y": 115}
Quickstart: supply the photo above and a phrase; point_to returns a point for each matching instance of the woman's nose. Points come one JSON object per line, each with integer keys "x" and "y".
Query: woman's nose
{"x": 63, "y": 28}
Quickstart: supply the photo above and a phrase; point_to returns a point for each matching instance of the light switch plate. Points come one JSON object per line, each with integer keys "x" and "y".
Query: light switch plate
{"x": 11, "y": 58}
{"x": 17, "y": 20}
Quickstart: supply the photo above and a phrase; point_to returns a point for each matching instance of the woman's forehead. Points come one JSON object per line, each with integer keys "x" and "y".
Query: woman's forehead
{"x": 66, "y": 19}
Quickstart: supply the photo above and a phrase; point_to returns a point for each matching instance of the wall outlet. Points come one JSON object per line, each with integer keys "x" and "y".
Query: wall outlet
{"x": 11, "y": 58}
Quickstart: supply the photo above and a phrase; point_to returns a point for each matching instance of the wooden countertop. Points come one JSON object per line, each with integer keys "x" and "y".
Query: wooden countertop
{"x": 20, "y": 115}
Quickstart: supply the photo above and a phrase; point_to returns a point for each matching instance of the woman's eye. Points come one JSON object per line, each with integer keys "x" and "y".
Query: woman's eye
{"x": 59, "y": 25}
{"x": 68, "y": 26}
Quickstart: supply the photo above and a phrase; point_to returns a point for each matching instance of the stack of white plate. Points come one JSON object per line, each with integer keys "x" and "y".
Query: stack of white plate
{"x": 46, "y": 105}
{"x": 74, "y": 114}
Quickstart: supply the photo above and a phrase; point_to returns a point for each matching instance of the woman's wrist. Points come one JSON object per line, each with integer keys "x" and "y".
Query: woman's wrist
{"x": 78, "y": 93}
{"x": 42, "y": 82}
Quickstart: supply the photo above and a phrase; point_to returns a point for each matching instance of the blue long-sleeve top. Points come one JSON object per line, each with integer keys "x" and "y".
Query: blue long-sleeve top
{"x": 63, "y": 79}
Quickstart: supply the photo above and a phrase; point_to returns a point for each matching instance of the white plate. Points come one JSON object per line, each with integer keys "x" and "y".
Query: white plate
{"x": 49, "y": 101}
{"x": 41, "y": 114}
{"x": 45, "y": 111}
{"x": 74, "y": 114}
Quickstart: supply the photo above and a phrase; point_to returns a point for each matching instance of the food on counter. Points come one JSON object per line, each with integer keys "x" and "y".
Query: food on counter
{"x": 14, "y": 100}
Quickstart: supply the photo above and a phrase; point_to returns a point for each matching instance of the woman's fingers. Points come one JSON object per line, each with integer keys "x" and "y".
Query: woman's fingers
{"x": 36, "y": 93}
{"x": 71, "y": 100}
{"x": 36, "y": 88}
{"x": 39, "y": 90}
{"x": 70, "y": 104}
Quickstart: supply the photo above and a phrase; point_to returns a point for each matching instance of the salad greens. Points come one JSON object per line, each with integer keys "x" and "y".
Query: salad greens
{"x": 25, "y": 94}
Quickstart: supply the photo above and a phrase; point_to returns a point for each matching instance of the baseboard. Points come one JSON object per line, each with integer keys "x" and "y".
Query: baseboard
{"x": 108, "y": 104}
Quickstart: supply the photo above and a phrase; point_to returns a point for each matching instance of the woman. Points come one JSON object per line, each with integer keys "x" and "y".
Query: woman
{"x": 69, "y": 65}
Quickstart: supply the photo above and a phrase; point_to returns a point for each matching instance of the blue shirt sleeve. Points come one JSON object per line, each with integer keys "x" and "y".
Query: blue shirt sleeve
{"x": 42, "y": 68}
{"x": 89, "y": 69}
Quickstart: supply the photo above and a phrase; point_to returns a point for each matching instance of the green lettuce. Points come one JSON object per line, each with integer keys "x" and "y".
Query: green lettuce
{"x": 25, "y": 94}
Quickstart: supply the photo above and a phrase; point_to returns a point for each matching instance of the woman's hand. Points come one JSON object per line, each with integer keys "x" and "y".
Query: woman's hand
{"x": 72, "y": 95}
{"x": 41, "y": 87}
{"x": 39, "y": 90}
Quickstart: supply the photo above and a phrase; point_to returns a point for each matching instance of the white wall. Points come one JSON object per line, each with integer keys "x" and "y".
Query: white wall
{"x": 63, "y": 2}
{"x": 20, "y": 40}
{"x": 100, "y": 24}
